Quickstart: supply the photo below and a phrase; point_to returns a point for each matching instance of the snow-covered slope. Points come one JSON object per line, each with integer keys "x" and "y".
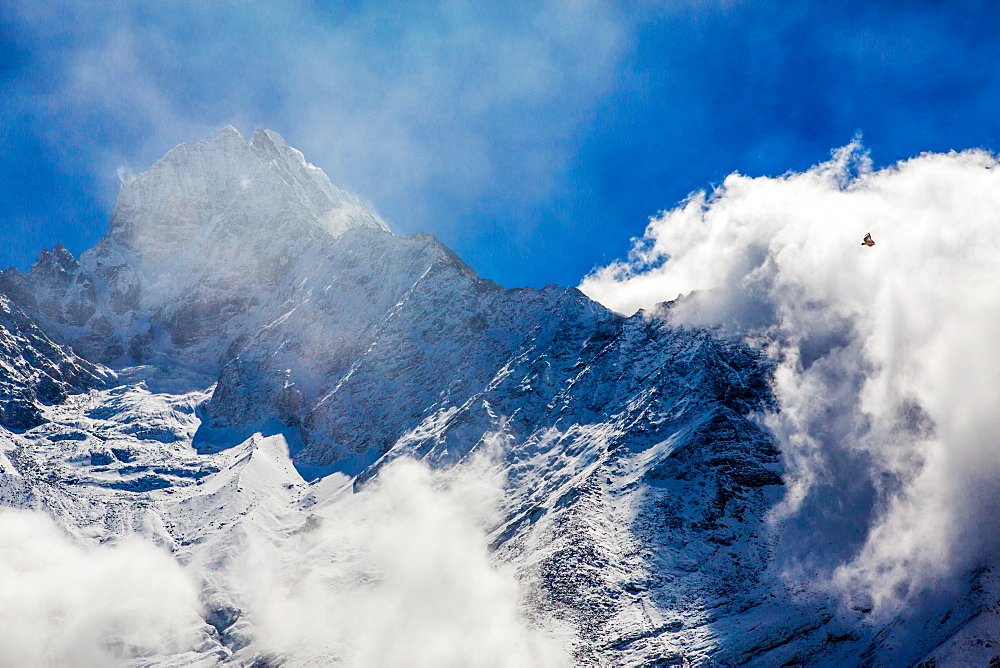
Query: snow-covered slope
{"x": 602, "y": 483}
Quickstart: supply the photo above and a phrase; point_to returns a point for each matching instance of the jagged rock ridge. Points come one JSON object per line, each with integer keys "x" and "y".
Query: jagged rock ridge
{"x": 35, "y": 371}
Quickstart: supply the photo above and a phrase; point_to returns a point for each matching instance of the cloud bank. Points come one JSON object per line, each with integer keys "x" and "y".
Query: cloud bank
{"x": 398, "y": 574}
{"x": 66, "y": 605}
{"x": 888, "y": 363}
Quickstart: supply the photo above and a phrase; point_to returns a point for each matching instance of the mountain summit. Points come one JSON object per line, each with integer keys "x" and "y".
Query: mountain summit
{"x": 228, "y": 186}
{"x": 196, "y": 239}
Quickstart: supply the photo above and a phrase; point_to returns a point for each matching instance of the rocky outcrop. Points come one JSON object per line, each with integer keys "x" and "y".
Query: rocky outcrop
{"x": 34, "y": 371}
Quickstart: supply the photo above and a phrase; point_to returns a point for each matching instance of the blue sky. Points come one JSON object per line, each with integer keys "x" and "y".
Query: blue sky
{"x": 535, "y": 139}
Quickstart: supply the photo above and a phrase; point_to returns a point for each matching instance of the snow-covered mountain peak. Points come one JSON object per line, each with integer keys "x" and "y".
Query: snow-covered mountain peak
{"x": 269, "y": 145}
{"x": 228, "y": 131}
{"x": 203, "y": 238}
{"x": 259, "y": 189}
{"x": 212, "y": 220}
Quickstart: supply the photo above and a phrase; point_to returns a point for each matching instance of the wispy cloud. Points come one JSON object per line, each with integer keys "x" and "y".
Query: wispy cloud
{"x": 67, "y": 605}
{"x": 451, "y": 100}
{"x": 397, "y": 574}
{"x": 887, "y": 357}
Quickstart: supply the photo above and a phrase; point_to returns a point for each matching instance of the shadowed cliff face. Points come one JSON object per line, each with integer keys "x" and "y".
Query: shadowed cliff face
{"x": 35, "y": 371}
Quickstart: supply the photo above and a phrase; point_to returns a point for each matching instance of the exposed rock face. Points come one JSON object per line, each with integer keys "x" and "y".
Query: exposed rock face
{"x": 34, "y": 370}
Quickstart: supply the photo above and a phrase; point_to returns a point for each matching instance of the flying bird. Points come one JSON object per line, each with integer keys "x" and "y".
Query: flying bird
{"x": 868, "y": 241}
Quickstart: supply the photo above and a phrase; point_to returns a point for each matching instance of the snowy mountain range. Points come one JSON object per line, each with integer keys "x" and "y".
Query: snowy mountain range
{"x": 338, "y": 435}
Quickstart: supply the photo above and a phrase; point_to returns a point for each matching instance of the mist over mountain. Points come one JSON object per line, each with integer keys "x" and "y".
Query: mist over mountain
{"x": 330, "y": 445}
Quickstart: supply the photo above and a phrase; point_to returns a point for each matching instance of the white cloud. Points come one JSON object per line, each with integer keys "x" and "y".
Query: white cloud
{"x": 888, "y": 362}
{"x": 397, "y": 574}
{"x": 66, "y": 605}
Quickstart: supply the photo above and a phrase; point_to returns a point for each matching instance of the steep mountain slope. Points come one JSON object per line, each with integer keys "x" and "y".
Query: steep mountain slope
{"x": 34, "y": 370}
{"x": 267, "y": 331}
